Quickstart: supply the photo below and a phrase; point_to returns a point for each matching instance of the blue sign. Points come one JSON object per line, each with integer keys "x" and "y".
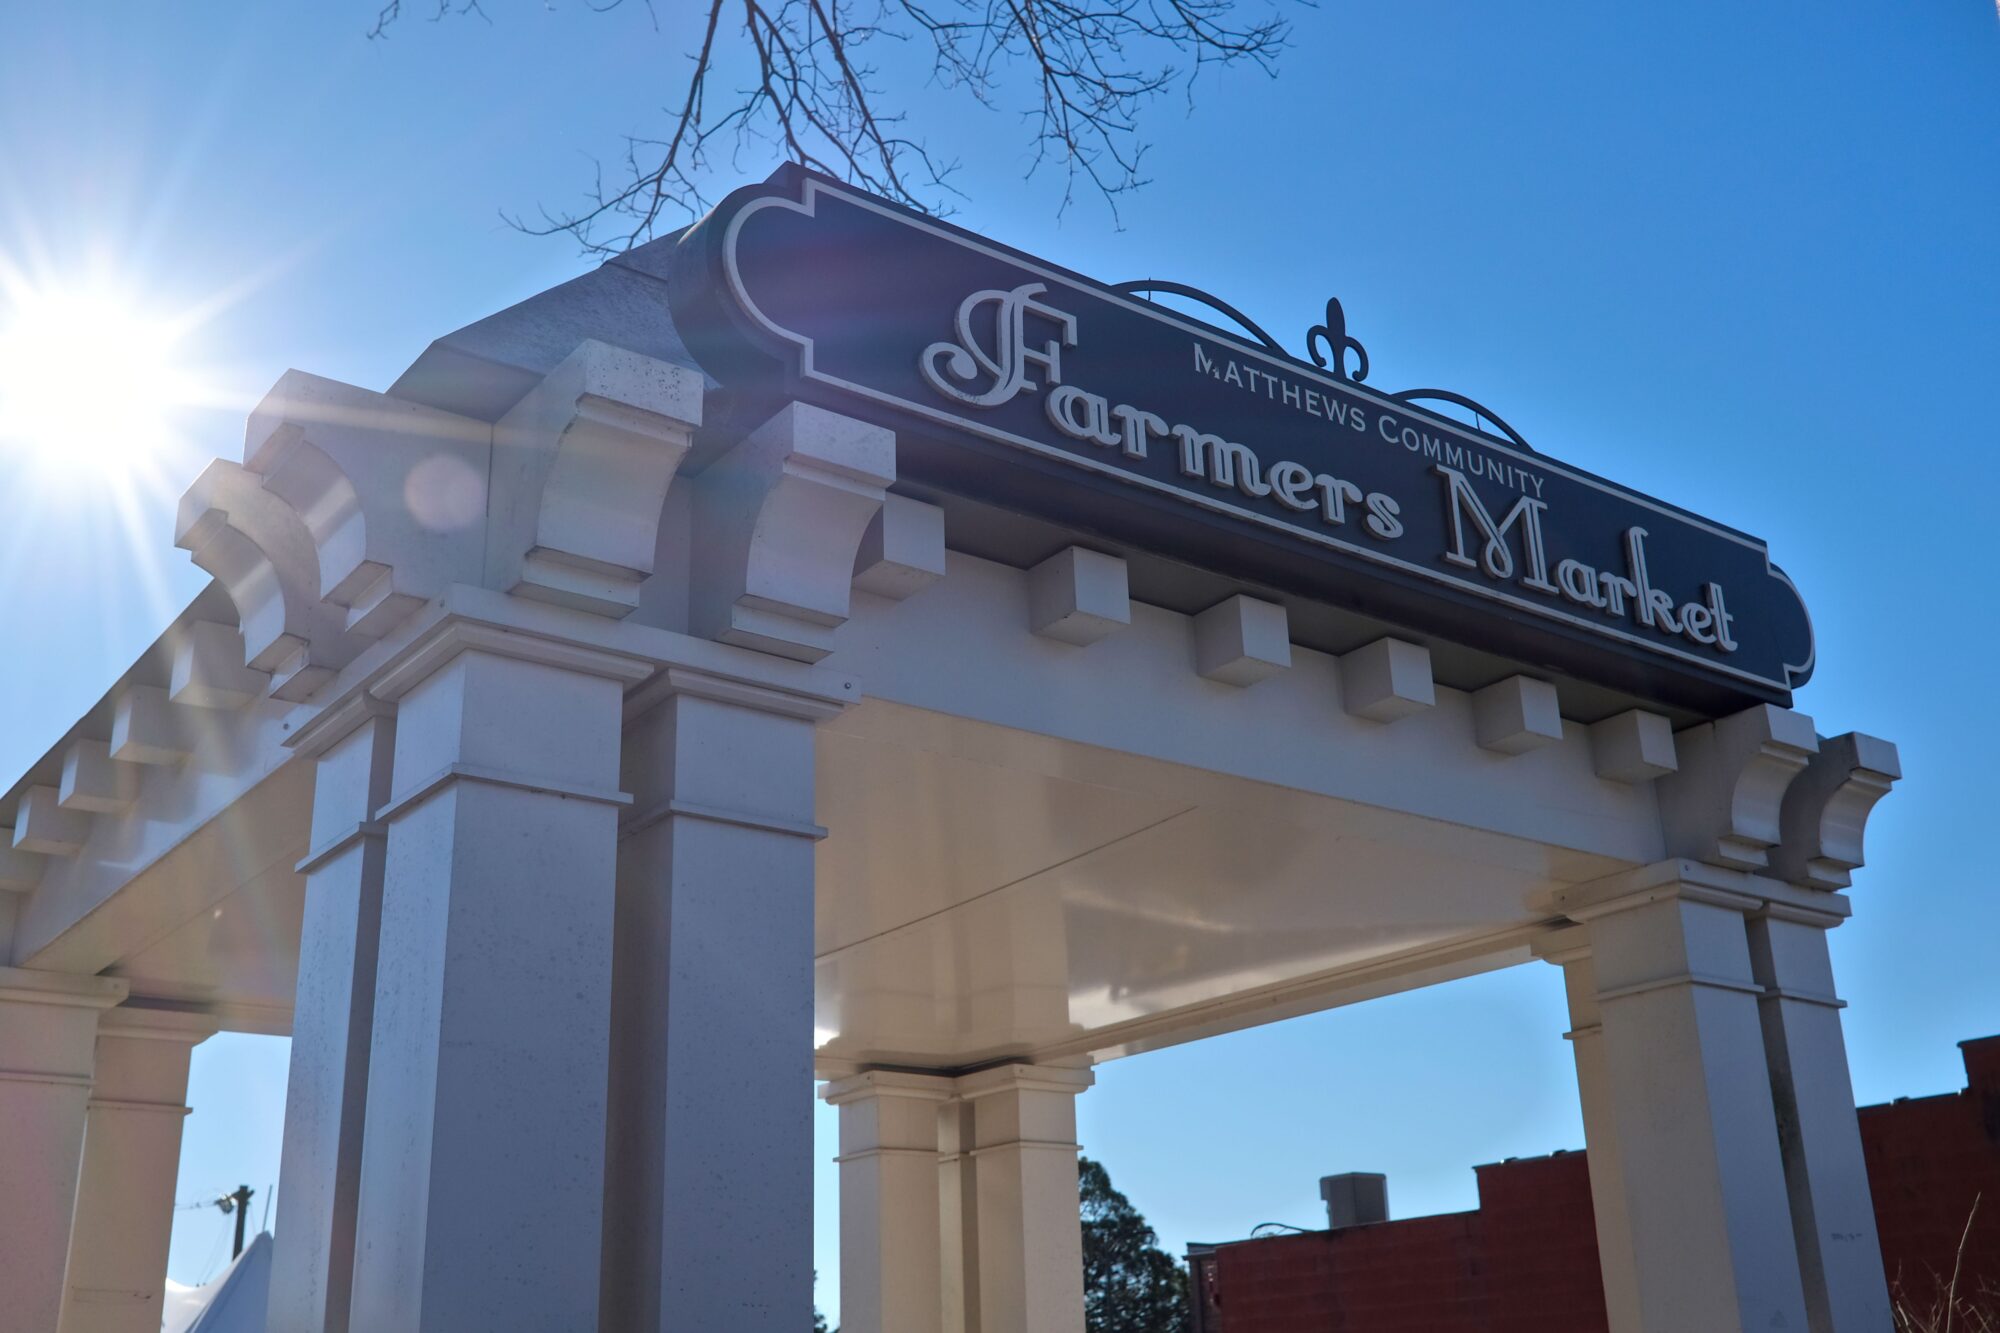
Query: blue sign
{"x": 1021, "y": 384}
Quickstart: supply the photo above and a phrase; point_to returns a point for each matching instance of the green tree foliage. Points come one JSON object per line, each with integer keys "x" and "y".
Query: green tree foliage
{"x": 1130, "y": 1285}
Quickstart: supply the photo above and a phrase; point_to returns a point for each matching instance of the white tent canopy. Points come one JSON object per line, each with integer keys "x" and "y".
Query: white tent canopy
{"x": 234, "y": 1301}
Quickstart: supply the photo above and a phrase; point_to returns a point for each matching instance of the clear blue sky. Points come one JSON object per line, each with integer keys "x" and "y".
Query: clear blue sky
{"x": 1738, "y": 256}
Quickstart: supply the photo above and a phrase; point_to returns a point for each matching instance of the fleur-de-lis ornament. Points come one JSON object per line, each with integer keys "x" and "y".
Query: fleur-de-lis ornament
{"x": 1334, "y": 334}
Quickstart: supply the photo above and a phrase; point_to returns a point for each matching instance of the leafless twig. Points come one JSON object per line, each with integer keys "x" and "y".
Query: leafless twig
{"x": 1083, "y": 69}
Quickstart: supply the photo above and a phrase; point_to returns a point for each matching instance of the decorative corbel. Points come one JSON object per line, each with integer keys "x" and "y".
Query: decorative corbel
{"x": 582, "y": 467}
{"x": 261, "y": 551}
{"x": 1826, "y": 810}
{"x": 778, "y": 522}
{"x": 1723, "y": 805}
{"x": 301, "y": 474}
{"x": 393, "y": 493}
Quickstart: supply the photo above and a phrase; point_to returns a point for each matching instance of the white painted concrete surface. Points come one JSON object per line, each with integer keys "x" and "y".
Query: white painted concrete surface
{"x": 574, "y": 783}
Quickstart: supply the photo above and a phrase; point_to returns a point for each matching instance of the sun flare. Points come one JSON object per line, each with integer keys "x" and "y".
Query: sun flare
{"x": 89, "y": 381}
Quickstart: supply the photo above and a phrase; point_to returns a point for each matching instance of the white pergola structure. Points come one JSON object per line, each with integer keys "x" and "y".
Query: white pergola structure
{"x": 573, "y": 786}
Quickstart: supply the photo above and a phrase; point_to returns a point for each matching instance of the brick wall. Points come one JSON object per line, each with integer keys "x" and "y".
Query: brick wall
{"x": 1526, "y": 1260}
{"x": 1929, "y": 1158}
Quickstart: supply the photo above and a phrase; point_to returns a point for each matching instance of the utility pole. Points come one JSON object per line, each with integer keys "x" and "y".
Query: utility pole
{"x": 237, "y": 1201}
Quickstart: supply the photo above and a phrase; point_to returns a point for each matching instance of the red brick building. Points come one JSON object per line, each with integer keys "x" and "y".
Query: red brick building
{"x": 1525, "y": 1260}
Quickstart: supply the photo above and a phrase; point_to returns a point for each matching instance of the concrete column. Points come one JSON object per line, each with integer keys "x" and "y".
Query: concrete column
{"x": 958, "y": 1260}
{"x": 1689, "y": 1104}
{"x": 48, "y": 1041}
{"x": 482, "y": 1165}
{"x": 709, "y": 1198}
{"x": 1030, "y": 1238}
{"x": 312, "y": 1264}
{"x": 1570, "y": 949}
{"x": 890, "y": 1275}
{"x": 1833, "y": 1215}
{"x": 131, "y": 1163}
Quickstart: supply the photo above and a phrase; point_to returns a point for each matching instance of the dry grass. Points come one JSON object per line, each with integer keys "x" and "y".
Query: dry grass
{"x": 1953, "y": 1311}
{"x": 1979, "y": 1313}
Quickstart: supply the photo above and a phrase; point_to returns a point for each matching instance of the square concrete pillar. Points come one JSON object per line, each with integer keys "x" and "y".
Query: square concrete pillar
{"x": 958, "y": 1219}
{"x": 1833, "y": 1213}
{"x": 890, "y": 1246}
{"x": 1687, "y": 1101}
{"x": 1570, "y": 949}
{"x": 709, "y": 1190}
{"x": 482, "y": 1170}
{"x": 1030, "y": 1236}
{"x": 333, "y": 1015}
{"x": 48, "y": 1044}
{"x": 131, "y": 1162}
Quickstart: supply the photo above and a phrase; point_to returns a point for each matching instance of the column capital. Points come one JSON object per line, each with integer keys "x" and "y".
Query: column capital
{"x": 1023, "y": 1078}
{"x": 1674, "y": 878}
{"x": 888, "y": 1083}
{"x": 1691, "y": 881}
{"x": 25, "y": 985}
{"x": 140, "y": 1019}
{"x": 451, "y": 637}
{"x": 337, "y": 721}
{"x": 649, "y": 662}
{"x": 741, "y": 691}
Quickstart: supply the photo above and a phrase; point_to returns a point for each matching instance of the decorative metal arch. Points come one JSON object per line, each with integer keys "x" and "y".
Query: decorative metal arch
{"x": 1214, "y": 303}
{"x": 1447, "y": 396}
{"x": 1332, "y": 335}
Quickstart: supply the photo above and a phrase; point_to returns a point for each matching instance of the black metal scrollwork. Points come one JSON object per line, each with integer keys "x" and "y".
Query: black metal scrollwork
{"x": 1337, "y": 341}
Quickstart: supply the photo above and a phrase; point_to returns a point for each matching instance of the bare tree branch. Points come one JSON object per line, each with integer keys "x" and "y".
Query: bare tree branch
{"x": 1087, "y": 69}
